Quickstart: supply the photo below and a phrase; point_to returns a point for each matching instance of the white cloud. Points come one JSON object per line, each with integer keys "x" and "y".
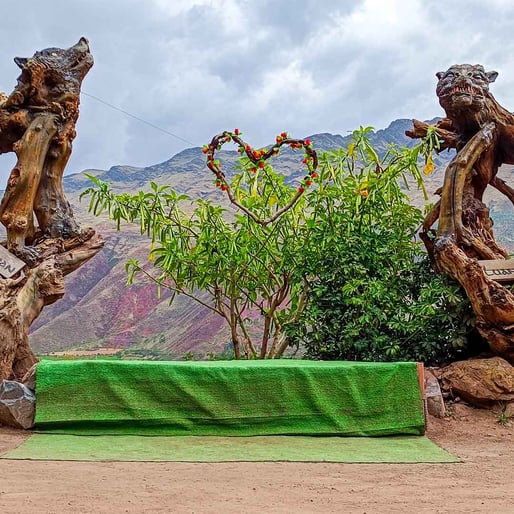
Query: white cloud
{"x": 195, "y": 67}
{"x": 380, "y": 24}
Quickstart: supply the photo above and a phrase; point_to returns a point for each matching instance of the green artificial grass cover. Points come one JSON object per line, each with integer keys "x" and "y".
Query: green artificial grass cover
{"x": 394, "y": 449}
{"x": 228, "y": 398}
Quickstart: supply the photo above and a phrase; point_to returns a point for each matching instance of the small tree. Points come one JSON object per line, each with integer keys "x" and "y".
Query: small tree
{"x": 240, "y": 258}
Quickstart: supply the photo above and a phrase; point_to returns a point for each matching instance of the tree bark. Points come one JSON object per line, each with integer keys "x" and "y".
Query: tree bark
{"x": 22, "y": 299}
{"x": 37, "y": 122}
{"x": 16, "y": 209}
{"x": 492, "y": 303}
{"x": 465, "y": 235}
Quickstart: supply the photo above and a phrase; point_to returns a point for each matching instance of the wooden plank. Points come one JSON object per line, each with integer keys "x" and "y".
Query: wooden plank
{"x": 501, "y": 270}
{"x": 9, "y": 263}
{"x": 421, "y": 380}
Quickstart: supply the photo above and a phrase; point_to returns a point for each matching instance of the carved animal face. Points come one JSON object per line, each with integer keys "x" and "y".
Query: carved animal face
{"x": 54, "y": 71}
{"x": 463, "y": 87}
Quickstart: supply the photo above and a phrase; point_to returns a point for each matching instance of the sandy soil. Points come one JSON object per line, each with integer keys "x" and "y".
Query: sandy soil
{"x": 483, "y": 483}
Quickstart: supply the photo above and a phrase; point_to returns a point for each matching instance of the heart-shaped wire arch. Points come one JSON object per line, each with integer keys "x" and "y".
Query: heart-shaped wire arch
{"x": 257, "y": 157}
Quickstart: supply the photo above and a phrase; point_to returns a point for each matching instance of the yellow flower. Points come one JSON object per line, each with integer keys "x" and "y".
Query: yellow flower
{"x": 429, "y": 166}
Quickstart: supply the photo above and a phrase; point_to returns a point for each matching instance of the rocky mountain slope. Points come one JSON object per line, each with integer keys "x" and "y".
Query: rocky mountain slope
{"x": 100, "y": 311}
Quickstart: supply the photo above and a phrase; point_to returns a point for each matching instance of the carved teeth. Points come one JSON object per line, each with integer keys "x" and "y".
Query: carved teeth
{"x": 464, "y": 89}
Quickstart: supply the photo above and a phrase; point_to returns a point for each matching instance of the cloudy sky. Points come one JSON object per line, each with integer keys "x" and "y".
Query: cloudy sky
{"x": 197, "y": 67}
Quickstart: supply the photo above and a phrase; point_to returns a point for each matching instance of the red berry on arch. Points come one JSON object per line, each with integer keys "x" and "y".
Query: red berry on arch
{"x": 224, "y": 187}
{"x": 301, "y": 189}
{"x": 261, "y": 164}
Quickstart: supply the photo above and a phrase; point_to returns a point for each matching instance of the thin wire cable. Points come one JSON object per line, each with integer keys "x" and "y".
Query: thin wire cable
{"x": 138, "y": 118}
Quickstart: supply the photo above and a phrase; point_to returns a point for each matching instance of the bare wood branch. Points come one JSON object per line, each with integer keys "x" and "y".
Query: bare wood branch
{"x": 503, "y": 187}
{"x": 256, "y": 157}
{"x": 449, "y": 138}
{"x": 457, "y": 172}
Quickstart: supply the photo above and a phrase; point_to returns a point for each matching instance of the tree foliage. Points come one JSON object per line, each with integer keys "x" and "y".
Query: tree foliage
{"x": 330, "y": 264}
{"x": 372, "y": 294}
{"x": 239, "y": 259}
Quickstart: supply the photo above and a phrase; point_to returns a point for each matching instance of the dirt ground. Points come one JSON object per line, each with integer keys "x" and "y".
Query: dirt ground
{"x": 482, "y": 483}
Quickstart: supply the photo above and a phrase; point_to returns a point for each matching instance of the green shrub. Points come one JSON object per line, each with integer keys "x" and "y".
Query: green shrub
{"x": 371, "y": 293}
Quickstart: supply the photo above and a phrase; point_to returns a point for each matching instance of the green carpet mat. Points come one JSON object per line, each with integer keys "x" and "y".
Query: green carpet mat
{"x": 228, "y": 398}
{"x": 394, "y": 449}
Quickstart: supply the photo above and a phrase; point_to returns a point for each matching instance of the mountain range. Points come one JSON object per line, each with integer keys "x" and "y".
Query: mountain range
{"x": 100, "y": 311}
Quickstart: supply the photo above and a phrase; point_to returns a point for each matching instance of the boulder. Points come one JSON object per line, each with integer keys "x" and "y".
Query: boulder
{"x": 435, "y": 402}
{"x": 481, "y": 382}
{"x": 462, "y": 411}
{"x": 17, "y": 404}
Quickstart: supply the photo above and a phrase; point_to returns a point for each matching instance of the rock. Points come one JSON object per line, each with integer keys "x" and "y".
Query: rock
{"x": 435, "y": 371}
{"x": 17, "y": 404}
{"x": 435, "y": 402}
{"x": 462, "y": 411}
{"x": 481, "y": 382}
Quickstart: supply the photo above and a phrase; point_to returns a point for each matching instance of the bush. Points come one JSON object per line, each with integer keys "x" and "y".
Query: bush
{"x": 371, "y": 293}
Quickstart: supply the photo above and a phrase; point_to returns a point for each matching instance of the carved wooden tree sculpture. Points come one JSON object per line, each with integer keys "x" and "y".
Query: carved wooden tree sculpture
{"x": 482, "y": 132}
{"x": 37, "y": 122}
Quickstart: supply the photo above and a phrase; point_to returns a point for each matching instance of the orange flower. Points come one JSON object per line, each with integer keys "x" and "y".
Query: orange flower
{"x": 429, "y": 166}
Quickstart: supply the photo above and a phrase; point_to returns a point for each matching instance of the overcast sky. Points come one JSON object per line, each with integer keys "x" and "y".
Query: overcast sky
{"x": 197, "y": 67}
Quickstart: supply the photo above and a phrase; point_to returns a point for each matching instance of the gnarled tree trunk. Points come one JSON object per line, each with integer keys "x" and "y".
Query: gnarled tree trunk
{"x": 483, "y": 134}
{"x": 37, "y": 122}
{"x": 23, "y": 298}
